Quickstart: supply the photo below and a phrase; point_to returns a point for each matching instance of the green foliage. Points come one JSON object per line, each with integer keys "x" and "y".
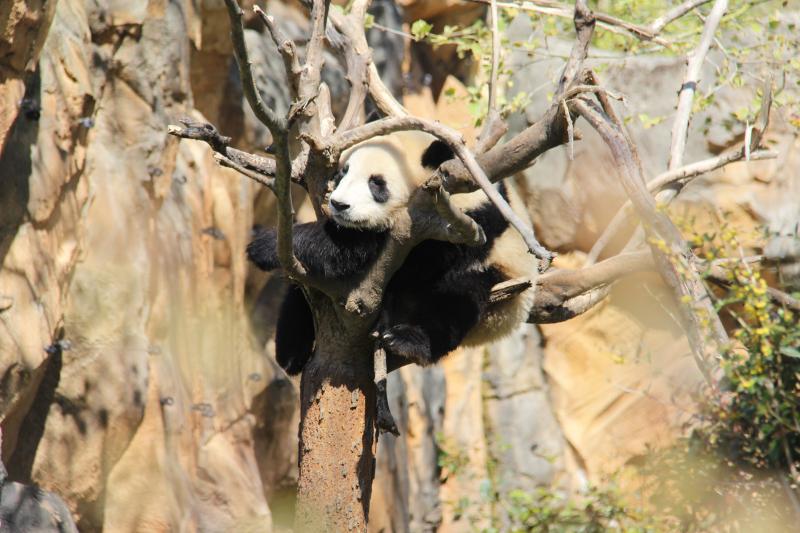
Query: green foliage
{"x": 756, "y": 420}
{"x": 738, "y": 468}
{"x": 595, "y": 511}
{"x": 754, "y": 39}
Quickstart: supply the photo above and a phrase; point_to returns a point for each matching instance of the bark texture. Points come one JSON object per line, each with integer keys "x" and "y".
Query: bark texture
{"x": 135, "y": 354}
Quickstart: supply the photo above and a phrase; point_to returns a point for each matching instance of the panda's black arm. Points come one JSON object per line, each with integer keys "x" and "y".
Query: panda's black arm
{"x": 323, "y": 248}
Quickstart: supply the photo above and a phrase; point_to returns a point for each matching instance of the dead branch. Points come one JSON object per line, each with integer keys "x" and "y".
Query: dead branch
{"x": 202, "y": 131}
{"x": 605, "y": 21}
{"x": 267, "y": 116}
{"x": 668, "y": 184}
{"x": 287, "y": 50}
{"x": 491, "y": 134}
{"x": 675, "y": 179}
{"x": 680, "y": 126}
{"x": 584, "y": 21}
{"x": 564, "y": 294}
{"x": 508, "y": 289}
{"x": 672, "y": 256}
{"x": 548, "y": 132}
{"x": 258, "y": 178}
{"x": 458, "y": 227}
{"x": 674, "y": 14}
{"x": 357, "y": 56}
{"x": 455, "y": 141}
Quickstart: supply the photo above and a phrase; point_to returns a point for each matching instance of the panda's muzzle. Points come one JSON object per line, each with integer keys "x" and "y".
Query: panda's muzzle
{"x": 339, "y": 206}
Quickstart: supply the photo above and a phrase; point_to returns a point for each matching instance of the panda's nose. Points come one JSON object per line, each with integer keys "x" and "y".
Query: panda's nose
{"x": 339, "y": 206}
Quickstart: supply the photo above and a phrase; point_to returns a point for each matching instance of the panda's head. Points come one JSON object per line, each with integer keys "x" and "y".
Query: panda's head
{"x": 377, "y": 177}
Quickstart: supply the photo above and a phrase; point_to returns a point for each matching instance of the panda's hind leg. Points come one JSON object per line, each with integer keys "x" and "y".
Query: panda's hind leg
{"x": 424, "y": 325}
{"x": 409, "y": 342}
{"x": 294, "y": 332}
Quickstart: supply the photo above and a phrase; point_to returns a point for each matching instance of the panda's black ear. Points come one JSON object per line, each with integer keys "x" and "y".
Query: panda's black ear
{"x": 436, "y": 154}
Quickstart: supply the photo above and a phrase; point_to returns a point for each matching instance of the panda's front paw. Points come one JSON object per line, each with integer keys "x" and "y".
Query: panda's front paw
{"x": 408, "y": 342}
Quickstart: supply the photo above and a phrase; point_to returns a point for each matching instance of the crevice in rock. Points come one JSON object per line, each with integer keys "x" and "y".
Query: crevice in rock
{"x": 32, "y": 428}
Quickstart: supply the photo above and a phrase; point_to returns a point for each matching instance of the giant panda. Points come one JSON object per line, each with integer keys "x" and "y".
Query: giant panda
{"x": 439, "y": 298}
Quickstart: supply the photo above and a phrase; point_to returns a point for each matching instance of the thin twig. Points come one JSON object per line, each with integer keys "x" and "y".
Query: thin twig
{"x": 495, "y": 59}
{"x": 605, "y": 21}
{"x": 673, "y": 14}
{"x": 677, "y": 179}
{"x": 203, "y": 131}
{"x": 255, "y": 176}
{"x": 680, "y": 126}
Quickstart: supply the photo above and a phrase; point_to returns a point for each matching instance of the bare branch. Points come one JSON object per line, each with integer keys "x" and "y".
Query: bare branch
{"x": 287, "y": 50}
{"x": 354, "y": 40}
{"x": 676, "y": 179}
{"x": 458, "y": 228}
{"x": 673, "y": 14}
{"x": 492, "y": 105}
{"x": 607, "y": 22}
{"x": 513, "y": 156}
{"x": 203, "y": 131}
{"x": 491, "y": 134}
{"x": 564, "y": 294}
{"x": 278, "y": 128}
{"x": 702, "y": 324}
{"x": 358, "y": 58}
{"x": 456, "y": 142}
{"x": 584, "y": 28}
{"x": 508, "y": 289}
{"x": 382, "y": 96}
{"x": 255, "y": 176}
{"x": 267, "y": 116}
{"x": 680, "y": 126}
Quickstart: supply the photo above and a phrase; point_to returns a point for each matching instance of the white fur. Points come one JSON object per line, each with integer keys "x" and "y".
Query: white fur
{"x": 397, "y": 157}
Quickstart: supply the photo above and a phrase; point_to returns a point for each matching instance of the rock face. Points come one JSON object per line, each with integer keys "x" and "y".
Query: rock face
{"x": 136, "y": 373}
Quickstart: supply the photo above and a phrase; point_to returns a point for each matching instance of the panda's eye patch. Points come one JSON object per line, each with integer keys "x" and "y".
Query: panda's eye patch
{"x": 377, "y": 186}
{"x": 340, "y": 173}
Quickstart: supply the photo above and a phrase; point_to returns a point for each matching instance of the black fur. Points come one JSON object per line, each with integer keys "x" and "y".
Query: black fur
{"x": 378, "y": 188}
{"x": 437, "y": 153}
{"x": 430, "y": 304}
{"x": 294, "y": 332}
{"x": 323, "y": 248}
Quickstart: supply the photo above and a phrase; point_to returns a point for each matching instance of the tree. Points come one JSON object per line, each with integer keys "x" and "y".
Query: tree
{"x": 339, "y": 403}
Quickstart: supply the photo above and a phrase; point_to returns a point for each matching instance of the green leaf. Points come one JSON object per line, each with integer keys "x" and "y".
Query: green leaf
{"x": 369, "y": 21}
{"x": 420, "y": 29}
{"x": 790, "y": 352}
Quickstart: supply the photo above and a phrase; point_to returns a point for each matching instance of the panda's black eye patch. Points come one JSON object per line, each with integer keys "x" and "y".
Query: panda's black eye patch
{"x": 377, "y": 186}
{"x": 340, "y": 173}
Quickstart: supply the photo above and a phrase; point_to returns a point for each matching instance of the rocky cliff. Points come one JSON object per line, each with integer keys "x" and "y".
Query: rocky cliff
{"x": 136, "y": 371}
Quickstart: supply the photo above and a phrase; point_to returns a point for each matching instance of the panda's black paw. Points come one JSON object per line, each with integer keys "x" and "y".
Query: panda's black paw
{"x": 384, "y": 421}
{"x": 408, "y": 342}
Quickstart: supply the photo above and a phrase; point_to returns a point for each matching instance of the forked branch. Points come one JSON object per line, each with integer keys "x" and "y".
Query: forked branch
{"x": 673, "y": 258}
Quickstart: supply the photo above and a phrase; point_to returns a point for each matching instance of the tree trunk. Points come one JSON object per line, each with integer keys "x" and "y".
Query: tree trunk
{"x": 337, "y": 439}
